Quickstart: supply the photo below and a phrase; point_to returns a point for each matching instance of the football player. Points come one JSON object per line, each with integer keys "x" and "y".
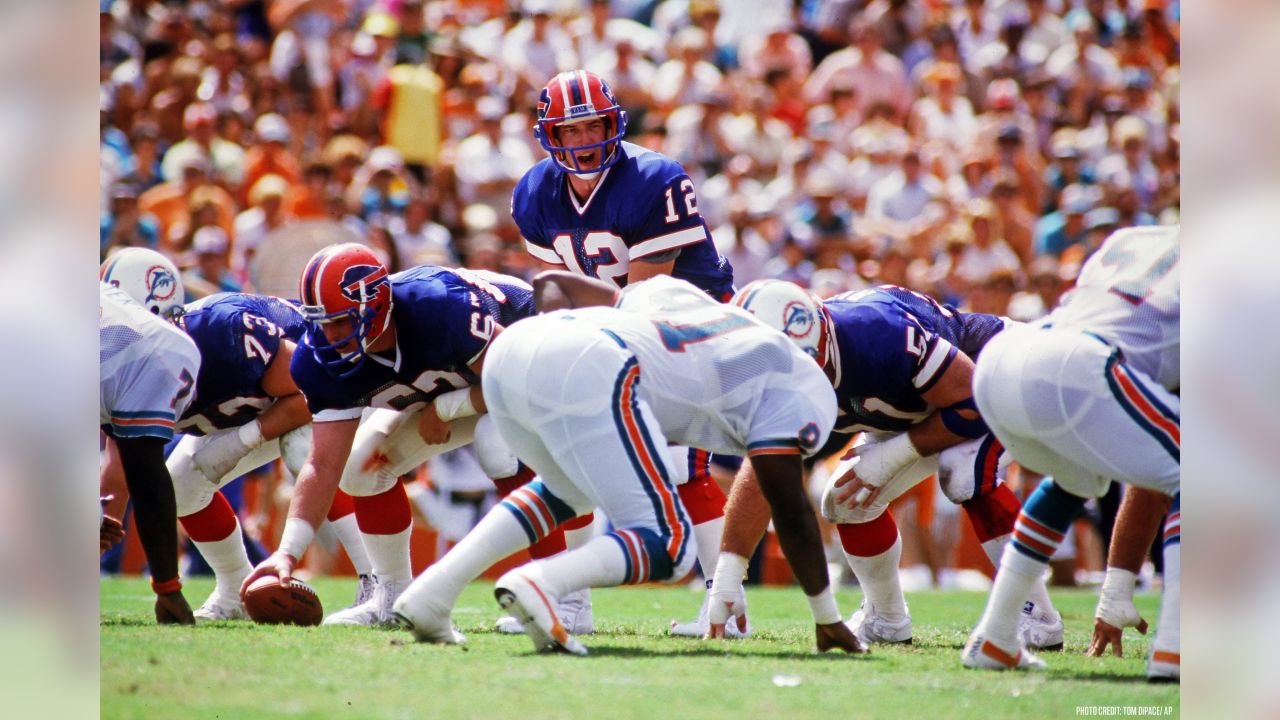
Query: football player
{"x": 608, "y": 209}
{"x": 148, "y": 370}
{"x": 1086, "y": 396}
{"x": 246, "y": 412}
{"x": 589, "y": 398}
{"x": 1136, "y": 526}
{"x": 406, "y": 353}
{"x": 902, "y": 367}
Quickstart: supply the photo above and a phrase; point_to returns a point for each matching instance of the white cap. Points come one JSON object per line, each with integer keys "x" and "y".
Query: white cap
{"x": 385, "y": 157}
{"x": 209, "y": 240}
{"x": 271, "y": 128}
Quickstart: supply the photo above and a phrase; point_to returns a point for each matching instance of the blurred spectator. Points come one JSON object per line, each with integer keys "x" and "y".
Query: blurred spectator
{"x": 487, "y": 164}
{"x": 736, "y": 181}
{"x": 124, "y": 225}
{"x": 537, "y": 47}
{"x": 270, "y": 155}
{"x": 1045, "y": 30}
{"x": 903, "y": 196}
{"x": 302, "y": 45}
{"x": 1081, "y": 62}
{"x": 410, "y": 96}
{"x": 985, "y": 253}
{"x": 417, "y": 239}
{"x": 943, "y": 115}
{"x": 1065, "y": 227}
{"x": 822, "y": 220}
{"x": 687, "y": 77}
{"x": 1044, "y": 288}
{"x": 264, "y": 215}
{"x": 1132, "y": 165}
{"x": 993, "y": 293}
{"x": 775, "y": 46}
{"x": 740, "y": 241}
{"x": 168, "y": 201}
{"x": 227, "y": 158}
{"x": 306, "y": 201}
{"x": 874, "y": 75}
{"x": 381, "y": 186}
{"x": 210, "y": 248}
{"x": 222, "y": 85}
{"x": 597, "y": 36}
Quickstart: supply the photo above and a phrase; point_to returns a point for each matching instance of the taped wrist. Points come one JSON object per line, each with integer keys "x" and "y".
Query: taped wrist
{"x": 730, "y": 570}
{"x": 953, "y": 419}
{"x": 297, "y": 536}
{"x": 250, "y": 434}
{"x": 455, "y": 404}
{"x": 1115, "y": 601}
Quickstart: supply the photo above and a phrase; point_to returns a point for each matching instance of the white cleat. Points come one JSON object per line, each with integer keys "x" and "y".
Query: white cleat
{"x": 984, "y": 654}
{"x": 869, "y": 627}
{"x": 1164, "y": 666}
{"x": 1041, "y": 630}
{"x": 376, "y": 611}
{"x": 574, "y": 610}
{"x": 528, "y": 603}
{"x": 219, "y": 608}
{"x": 364, "y": 589}
{"x": 737, "y": 627}
{"x": 428, "y": 623}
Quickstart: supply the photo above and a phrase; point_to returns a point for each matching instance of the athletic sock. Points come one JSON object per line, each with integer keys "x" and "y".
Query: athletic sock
{"x": 1168, "y": 635}
{"x": 1038, "y": 532}
{"x": 385, "y": 521}
{"x": 498, "y": 534}
{"x": 215, "y": 531}
{"x": 874, "y": 550}
{"x": 599, "y": 563}
{"x": 342, "y": 516}
{"x": 993, "y": 516}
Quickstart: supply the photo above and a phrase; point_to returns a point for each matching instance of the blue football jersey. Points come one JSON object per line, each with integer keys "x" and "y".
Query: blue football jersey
{"x": 643, "y": 206}
{"x": 444, "y": 320}
{"x": 891, "y": 346}
{"x": 238, "y": 335}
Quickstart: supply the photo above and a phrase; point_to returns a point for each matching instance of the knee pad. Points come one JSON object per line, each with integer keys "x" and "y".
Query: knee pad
{"x": 191, "y": 490}
{"x": 492, "y": 451}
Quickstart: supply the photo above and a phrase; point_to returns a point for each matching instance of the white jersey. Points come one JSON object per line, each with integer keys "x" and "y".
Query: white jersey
{"x": 1128, "y": 294}
{"x": 147, "y": 368}
{"x": 716, "y": 377}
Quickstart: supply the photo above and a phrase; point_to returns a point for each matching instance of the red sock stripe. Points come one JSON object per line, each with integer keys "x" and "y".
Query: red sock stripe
{"x": 869, "y": 539}
{"x": 648, "y": 463}
{"x": 1144, "y": 406}
{"x": 541, "y": 527}
{"x": 643, "y": 574}
{"x": 540, "y": 506}
{"x": 215, "y": 522}
{"x": 994, "y": 514}
{"x": 549, "y": 546}
{"x": 1036, "y": 527}
{"x": 1173, "y": 526}
{"x": 580, "y": 522}
{"x": 386, "y": 513}
{"x": 703, "y": 499}
{"x": 341, "y": 506}
{"x": 633, "y": 554}
{"x": 1033, "y": 543}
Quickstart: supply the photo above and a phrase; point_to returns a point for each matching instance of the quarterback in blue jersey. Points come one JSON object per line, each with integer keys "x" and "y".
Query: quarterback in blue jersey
{"x": 902, "y": 368}
{"x": 404, "y": 352}
{"x": 608, "y": 209}
{"x": 247, "y": 412}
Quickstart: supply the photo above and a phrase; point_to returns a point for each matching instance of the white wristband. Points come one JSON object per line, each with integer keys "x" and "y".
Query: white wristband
{"x": 250, "y": 434}
{"x": 297, "y": 536}
{"x": 455, "y": 404}
{"x": 823, "y": 606}
{"x": 730, "y": 570}
{"x": 1118, "y": 584}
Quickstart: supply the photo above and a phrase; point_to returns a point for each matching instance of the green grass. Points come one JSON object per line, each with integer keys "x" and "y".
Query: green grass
{"x": 239, "y": 670}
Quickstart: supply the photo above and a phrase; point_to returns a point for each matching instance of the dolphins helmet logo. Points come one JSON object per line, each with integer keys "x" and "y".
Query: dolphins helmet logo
{"x": 161, "y": 284}
{"x": 797, "y": 320}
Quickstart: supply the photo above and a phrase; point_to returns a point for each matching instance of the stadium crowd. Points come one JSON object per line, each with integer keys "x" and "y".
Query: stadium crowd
{"x": 974, "y": 150}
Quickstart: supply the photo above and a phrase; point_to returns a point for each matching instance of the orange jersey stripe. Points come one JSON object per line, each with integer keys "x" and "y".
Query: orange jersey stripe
{"x": 647, "y": 461}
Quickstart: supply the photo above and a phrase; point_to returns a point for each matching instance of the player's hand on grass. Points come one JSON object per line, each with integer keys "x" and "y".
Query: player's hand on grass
{"x": 278, "y": 564}
{"x": 837, "y": 636}
{"x": 433, "y": 430}
{"x": 725, "y": 606}
{"x": 172, "y": 609}
{"x": 1108, "y": 629}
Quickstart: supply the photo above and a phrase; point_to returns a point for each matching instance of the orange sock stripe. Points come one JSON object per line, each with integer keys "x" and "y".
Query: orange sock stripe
{"x": 1039, "y": 528}
{"x": 1164, "y": 656}
{"x": 537, "y": 503}
{"x": 630, "y": 543}
{"x": 519, "y": 501}
{"x": 1032, "y": 543}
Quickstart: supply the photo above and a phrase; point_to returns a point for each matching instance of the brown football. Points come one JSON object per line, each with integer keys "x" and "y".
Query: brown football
{"x": 269, "y": 601}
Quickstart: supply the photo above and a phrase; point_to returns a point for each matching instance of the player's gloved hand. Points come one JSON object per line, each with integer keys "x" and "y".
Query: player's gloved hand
{"x": 837, "y": 636}
{"x": 280, "y": 564}
{"x": 172, "y": 609}
{"x": 433, "y": 430}
{"x": 222, "y": 451}
{"x": 866, "y": 469}
{"x": 725, "y": 605}
{"x": 1115, "y": 612}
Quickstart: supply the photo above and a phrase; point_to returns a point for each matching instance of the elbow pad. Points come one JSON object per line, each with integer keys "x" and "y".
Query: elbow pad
{"x": 971, "y": 428}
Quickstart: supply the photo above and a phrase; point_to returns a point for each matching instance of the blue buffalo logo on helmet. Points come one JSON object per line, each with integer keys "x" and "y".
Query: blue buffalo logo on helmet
{"x": 161, "y": 284}
{"x": 364, "y": 283}
{"x": 797, "y": 320}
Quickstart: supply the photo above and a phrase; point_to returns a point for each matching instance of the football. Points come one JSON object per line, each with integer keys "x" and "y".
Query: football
{"x": 274, "y": 603}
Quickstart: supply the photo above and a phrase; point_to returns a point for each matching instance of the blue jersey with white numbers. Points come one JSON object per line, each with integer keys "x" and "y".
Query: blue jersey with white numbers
{"x": 444, "y": 320}
{"x": 643, "y": 207}
{"x": 891, "y": 346}
{"x": 238, "y": 336}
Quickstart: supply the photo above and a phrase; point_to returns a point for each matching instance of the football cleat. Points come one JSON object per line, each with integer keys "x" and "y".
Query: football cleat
{"x": 218, "y": 608}
{"x": 1163, "y": 666}
{"x": 984, "y": 654}
{"x": 737, "y": 627}
{"x": 1041, "y": 630}
{"x": 574, "y": 610}
{"x": 376, "y": 611}
{"x": 526, "y": 602}
{"x": 364, "y": 589}
{"x": 869, "y": 627}
{"x": 428, "y": 623}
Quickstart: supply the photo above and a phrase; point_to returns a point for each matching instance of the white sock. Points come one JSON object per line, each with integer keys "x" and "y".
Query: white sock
{"x": 708, "y": 535}
{"x": 1018, "y": 574}
{"x": 599, "y": 563}
{"x": 1039, "y": 596}
{"x": 389, "y": 554}
{"x": 1168, "y": 634}
{"x": 348, "y": 532}
{"x": 229, "y": 560}
{"x": 878, "y": 576}
{"x": 497, "y": 535}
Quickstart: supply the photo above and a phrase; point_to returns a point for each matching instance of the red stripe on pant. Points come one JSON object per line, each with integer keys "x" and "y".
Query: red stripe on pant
{"x": 215, "y": 522}
{"x": 386, "y": 513}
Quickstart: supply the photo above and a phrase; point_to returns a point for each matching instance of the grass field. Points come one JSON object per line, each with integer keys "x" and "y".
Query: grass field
{"x": 239, "y": 670}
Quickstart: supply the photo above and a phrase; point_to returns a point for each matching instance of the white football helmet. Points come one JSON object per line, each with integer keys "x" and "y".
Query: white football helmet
{"x": 148, "y": 277}
{"x": 792, "y": 311}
